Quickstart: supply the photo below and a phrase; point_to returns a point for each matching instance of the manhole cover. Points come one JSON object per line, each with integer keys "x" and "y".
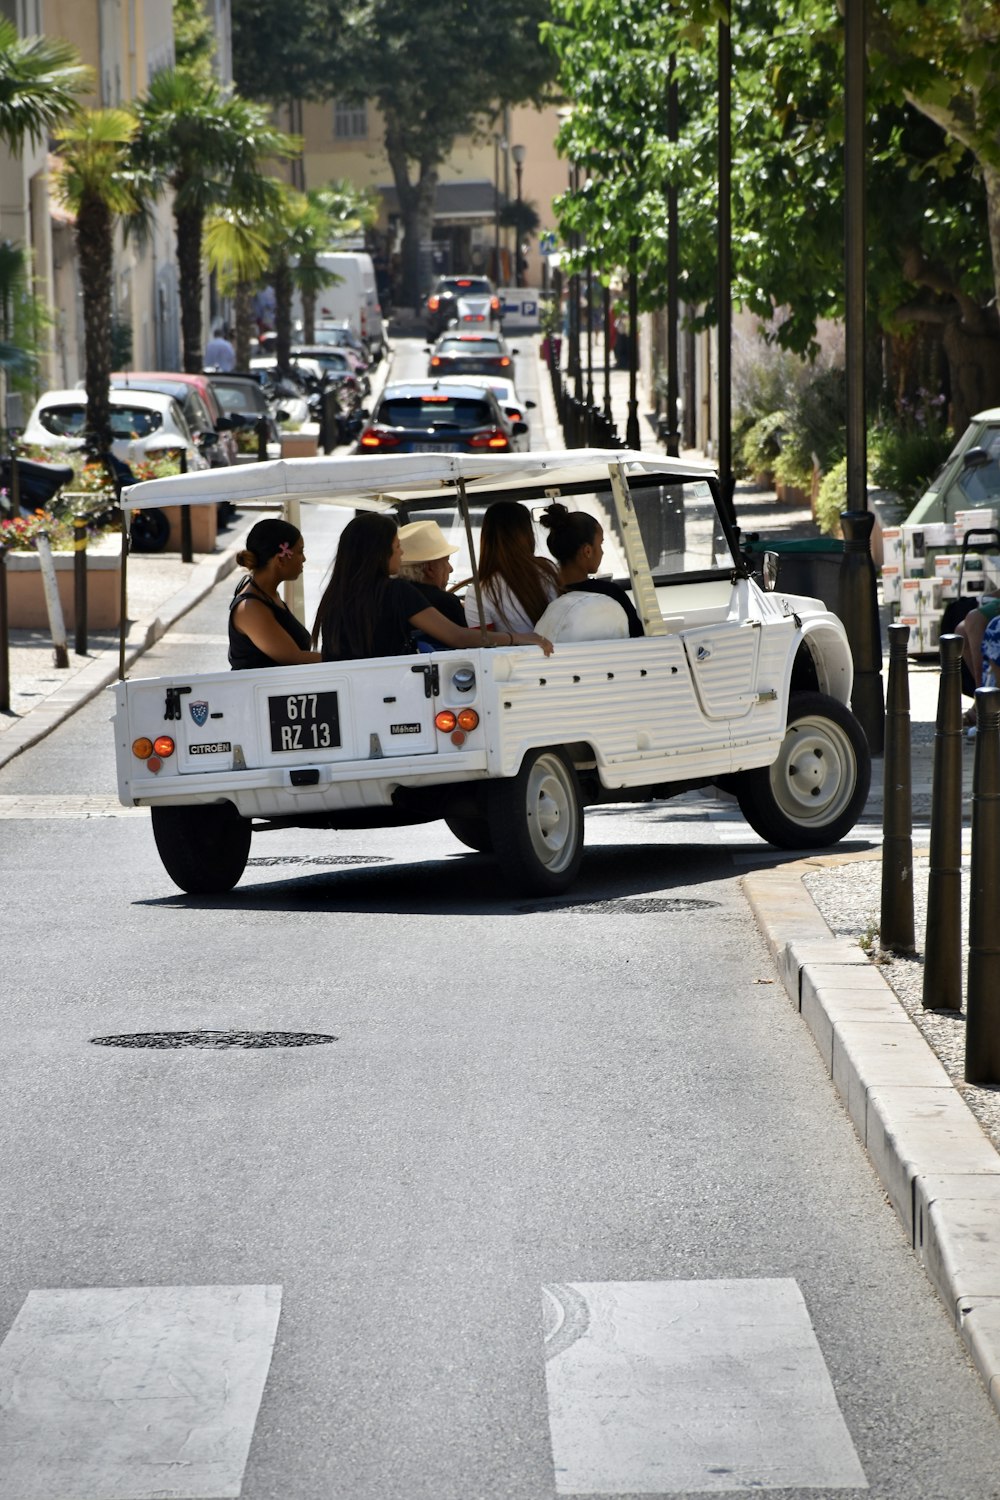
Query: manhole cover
{"x": 217, "y": 1040}
{"x": 641, "y": 905}
{"x": 320, "y": 859}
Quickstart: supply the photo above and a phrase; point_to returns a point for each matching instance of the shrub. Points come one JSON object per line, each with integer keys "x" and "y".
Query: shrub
{"x": 832, "y": 499}
{"x": 762, "y": 443}
{"x": 907, "y": 449}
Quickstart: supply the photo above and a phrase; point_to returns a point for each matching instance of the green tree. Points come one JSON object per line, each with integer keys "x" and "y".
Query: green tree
{"x": 237, "y": 251}
{"x": 40, "y": 80}
{"x": 208, "y": 146}
{"x": 436, "y": 71}
{"x": 929, "y": 254}
{"x": 94, "y": 179}
{"x": 331, "y": 214}
{"x": 194, "y": 39}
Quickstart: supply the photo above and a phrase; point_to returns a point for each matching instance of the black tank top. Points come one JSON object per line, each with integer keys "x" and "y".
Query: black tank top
{"x": 243, "y": 654}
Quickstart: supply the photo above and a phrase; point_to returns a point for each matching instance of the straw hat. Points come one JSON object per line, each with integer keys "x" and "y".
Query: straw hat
{"x": 423, "y": 541}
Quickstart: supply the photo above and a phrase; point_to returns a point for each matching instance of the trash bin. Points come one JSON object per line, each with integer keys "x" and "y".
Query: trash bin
{"x": 806, "y": 565}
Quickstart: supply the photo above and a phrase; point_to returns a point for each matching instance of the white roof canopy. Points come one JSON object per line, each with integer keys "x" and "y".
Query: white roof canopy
{"x": 378, "y": 481}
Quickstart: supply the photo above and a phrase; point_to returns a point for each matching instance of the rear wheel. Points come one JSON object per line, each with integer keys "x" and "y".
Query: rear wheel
{"x": 815, "y": 790}
{"x": 149, "y": 531}
{"x": 203, "y": 849}
{"x": 536, "y": 821}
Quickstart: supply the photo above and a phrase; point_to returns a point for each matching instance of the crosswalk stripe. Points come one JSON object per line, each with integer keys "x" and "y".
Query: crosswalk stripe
{"x": 668, "y": 1387}
{"x": 131, "y": 1393}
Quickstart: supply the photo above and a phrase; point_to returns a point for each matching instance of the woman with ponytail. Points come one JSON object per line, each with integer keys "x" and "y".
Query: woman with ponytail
{"x": 263, "y": 632}
{"x": 576, "y": 541}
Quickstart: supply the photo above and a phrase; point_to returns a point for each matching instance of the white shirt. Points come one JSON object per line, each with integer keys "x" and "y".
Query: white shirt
{"x": 504, "y": 611}
{"x": 220, "y": 355}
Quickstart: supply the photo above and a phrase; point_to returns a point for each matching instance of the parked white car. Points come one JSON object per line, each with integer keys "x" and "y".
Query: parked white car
{"x": 144, "y": 424}
{"x": 511, "y": 404}
{"x": 731, "y": 685}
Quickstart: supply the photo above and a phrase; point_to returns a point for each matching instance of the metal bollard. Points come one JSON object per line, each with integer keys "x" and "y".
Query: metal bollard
{"x": 858, "y": 608}
{"x": 187, "y": 541}
{"x": 943, "y": 933}
{"x": 896, "y": 930}
{"x": 80, "y": 583}
{"x": 982, "y": 998}
{"x": 4, "y": 635}
{"x": 262, "y": 439}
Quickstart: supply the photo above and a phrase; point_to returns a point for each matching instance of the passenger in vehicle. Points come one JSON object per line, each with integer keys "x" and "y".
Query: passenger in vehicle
{"x": 263, "y": 632}
{"x": 515, "y": 584}
{"x": 973, "y": 629}
{"x": 368, "y": 610}
{"x": 426, "y": 562}
{"x": 576, "y": 541}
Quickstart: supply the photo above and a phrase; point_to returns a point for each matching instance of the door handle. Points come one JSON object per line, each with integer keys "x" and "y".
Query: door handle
{"x": 703, "y": 653}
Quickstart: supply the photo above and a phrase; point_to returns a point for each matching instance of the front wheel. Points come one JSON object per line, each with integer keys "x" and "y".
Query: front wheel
{"x": 203, "y": 849}
{"x": 536, "y": 822}
{"x": 814, "y": 791}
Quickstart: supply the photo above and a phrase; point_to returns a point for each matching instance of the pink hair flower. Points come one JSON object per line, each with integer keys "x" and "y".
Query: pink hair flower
{"x": 285, "y": 550}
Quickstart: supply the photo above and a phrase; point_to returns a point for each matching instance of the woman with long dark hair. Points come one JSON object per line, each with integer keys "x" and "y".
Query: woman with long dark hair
{"x": 576, "y": 541}
{"x": 515, "y": 584}
{"x": 367, "y": 610}
{"x": 263, "y": 632}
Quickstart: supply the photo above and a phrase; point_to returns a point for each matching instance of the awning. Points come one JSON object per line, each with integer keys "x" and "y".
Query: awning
{"x": 455, "y": 202}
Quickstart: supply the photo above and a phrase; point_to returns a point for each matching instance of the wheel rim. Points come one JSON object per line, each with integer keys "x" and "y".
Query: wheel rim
{"x": 814, "y": 776}
{"x": 553, "y": 813}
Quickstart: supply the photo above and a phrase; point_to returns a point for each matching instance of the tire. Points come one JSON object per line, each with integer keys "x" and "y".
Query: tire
{"x": 203, "y": 849}
{"x": 815, "y": 790}
{"x": 473, "y": 832}
{"x": 150, "y": 531}
{"x": 536, "y": 822}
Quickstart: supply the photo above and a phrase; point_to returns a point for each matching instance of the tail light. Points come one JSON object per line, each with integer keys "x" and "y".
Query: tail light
{"x": 468, "y": 719}
{"x": 494, "y": 438}
{"x": 504, "y": 361}
{"x": 142, "y": 748}
{"x": 435, "y": 361}
{"x": 163, "y": 746}
{"x": 433, "y": 303}
{"x": 446, "y": 720}
{"x": 494, "y": 304}
{"x": 379, "y": 437}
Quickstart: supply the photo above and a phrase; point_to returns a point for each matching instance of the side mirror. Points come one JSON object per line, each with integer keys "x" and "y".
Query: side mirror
{"x": 365, "y": 413}
{"x": 208, "y": 439}
{"x": 975, "y": 458}
{"x": 515, "y": 351}
{"x": 519, "y": 429}
{"x": 224, "y": 424}
{"x": 281, "y": 414}
{"x": 770, "y": 571}
{"x": 531, "y": 405}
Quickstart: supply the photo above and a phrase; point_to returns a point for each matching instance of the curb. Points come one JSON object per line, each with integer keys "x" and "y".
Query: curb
{"x": 939, "y": 1170}
{"x": 102, "y": 671}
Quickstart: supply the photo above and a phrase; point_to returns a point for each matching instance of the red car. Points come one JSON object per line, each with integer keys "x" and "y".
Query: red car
{"x": 210, "y": 427}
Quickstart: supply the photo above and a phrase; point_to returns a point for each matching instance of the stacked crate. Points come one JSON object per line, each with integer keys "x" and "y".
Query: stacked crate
{"x": 923, "y": 571}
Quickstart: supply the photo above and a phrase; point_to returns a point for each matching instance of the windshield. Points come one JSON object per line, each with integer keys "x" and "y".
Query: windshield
{"x": 424, "y": 412}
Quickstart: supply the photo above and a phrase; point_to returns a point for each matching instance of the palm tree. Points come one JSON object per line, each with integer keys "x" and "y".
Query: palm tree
{"x": 94, "y": 180}
{"x": 40, "y": 78}
{"x": 237, "y": 251}
{"x": 206, "y": 144}
{"x": 337, "y": 210}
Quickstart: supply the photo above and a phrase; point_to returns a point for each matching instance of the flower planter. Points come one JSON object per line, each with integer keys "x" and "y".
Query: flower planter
{"x": 26, "y": 595}
{"x": 301, "y": 444}
{"x": 204, "y": 527}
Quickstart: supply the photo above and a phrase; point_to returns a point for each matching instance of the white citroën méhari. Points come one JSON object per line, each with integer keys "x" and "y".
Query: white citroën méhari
{"x": 734, "y": 685}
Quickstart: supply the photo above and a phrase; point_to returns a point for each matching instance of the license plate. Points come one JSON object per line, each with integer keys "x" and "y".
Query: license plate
{"x": 304, "y": 721}
{"x": 434, "y": 448}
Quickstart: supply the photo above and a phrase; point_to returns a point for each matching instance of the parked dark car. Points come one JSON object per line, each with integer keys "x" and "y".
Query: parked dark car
{"x": 475, "y": 292}
{"x": 471, "y": 354}
{"x": 335, "y": 359}
{"x": 242, "y": 399}
{"x": 425, "y": 416}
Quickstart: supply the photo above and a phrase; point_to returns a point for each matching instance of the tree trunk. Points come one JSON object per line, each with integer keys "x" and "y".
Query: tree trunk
{"x": 991, "y": 181}
{"x": 95, "y": 249}
{"x": 309, "y": 300}
{"x": 246, "y": 328}
{"x": 189, "y": 236}
{"x": 416, "y": 207}
{"x": 974, "y": 368}
{"x": 281, "y": 280}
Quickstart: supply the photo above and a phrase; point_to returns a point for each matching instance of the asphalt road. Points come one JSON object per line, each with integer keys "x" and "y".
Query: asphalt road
{"x": 607, "y": 1095}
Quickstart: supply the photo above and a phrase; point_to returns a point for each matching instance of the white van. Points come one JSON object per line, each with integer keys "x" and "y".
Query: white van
{"x": 353, "y": 299}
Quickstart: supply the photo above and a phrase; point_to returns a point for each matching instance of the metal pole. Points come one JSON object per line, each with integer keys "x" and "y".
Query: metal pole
{"x": 4, "y": 635}
{"x": 574, "y": 302}
{"x": 673, "y": 232}
{"x": 724, "y": 293}
{"x": 896, "y": 930}
{"x": 590, "y": 331}
{"x": 982, "y": 1000}
{"x": 187, "y": 544}
{"x": 80, "y": 583}
{"x": 607, "y": 352}
{"x": 496, "y": 208}
{"x": 262, "y": 439}
{"x": 632, "y": 437}
{"x": 943, "y": 935}
{"x": 854, "y": 251}
{"x": 857, "y": 606}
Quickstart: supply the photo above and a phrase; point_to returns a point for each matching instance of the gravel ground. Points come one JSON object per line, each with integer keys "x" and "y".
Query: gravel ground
{"x": 849, "y": 898}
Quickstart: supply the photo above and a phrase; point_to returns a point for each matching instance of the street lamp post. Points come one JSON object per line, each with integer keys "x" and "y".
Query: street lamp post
{"x": 518, "y": 153}
{"x": 498, "y": 144}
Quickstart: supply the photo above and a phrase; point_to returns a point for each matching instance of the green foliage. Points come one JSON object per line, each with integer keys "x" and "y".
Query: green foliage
{"x": 761, "y": 444}
{"x": 285, "y": 51}
{"x": 906, "y": 450}
{"x": 40, "y": 79}
{"x": 832, "y": 499}
{"x": 194, "y": 39}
